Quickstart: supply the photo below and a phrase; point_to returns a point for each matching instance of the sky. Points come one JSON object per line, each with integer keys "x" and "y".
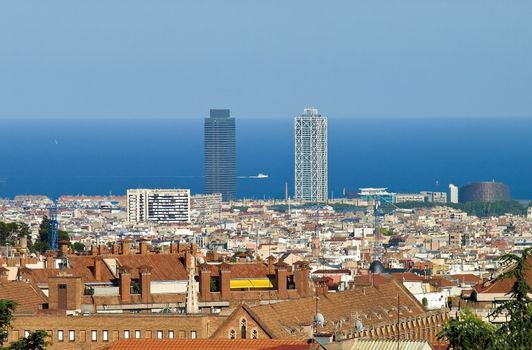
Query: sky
{"x": 265, "y": 59}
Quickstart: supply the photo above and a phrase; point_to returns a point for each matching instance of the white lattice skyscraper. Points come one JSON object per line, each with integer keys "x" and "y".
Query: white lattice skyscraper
{"x": 311, "y": 180}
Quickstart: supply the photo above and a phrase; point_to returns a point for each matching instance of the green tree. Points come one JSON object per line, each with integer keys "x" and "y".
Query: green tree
{"x": 469, "y": 332}
{"x": 78, "y": 247}
{"x": 34, "y": 341}
{"x": 42, "y": 244}
{"x": 517, "y": 331}
{"x": 7, "y": 307}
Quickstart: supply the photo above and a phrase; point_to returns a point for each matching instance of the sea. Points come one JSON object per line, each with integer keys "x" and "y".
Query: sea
{"x": 73, "y": 156}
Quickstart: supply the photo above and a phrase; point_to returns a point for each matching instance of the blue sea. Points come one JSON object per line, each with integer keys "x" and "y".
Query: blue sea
{"x": 107, "y": 156}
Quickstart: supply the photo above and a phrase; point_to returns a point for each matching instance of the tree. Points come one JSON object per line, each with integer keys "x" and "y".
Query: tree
{"x": 34, "y": 341}
{"x": 42, "y": 244}
{"x": 7, "y": 307}
{"x": 78, "y": 247}
{"x": 469, "y": 332}
{"x": 517, "y": 331}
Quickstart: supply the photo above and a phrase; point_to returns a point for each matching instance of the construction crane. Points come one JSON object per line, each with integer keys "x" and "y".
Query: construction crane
{"x": 53, "y": 229}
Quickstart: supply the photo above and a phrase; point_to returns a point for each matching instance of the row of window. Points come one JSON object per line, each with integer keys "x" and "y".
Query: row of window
{"x": 137, "y": 334}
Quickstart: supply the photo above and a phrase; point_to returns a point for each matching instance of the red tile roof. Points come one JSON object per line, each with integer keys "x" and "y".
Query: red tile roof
{"x": 504, "y": 286}
{"x": 211, "y": 344}
{"x": 28, "y": 298}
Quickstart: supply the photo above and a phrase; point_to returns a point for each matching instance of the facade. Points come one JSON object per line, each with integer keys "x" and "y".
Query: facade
{"x": 409, "y": 197}
{"x": 206, "y": 204}
{"x": 311, "y": 173}
{"x": 369, "y": 194}
{"x": 169, "y": 206}
{"x": 434, "y": 197}
{"x": 484, "y": 192}
{"x": 453, "y": 190}
{"x": 220, "y": 154}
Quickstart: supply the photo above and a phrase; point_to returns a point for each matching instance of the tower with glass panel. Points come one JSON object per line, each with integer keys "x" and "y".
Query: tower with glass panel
{"x": 311, "y": 179}
{"x": 220, "y": 154}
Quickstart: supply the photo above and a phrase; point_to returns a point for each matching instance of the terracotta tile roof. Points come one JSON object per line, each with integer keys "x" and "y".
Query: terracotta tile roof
{"x": 442, "y": 282}
{"x": 504, "y": 286}
{"x": 407, "y": 276}
{"x": 211, "y": 344}
{"x": 164, "y": 267}
{"x": 243, "y": 270}
{"x": 465, "y": 278}
{"x": 29, "y": 298}
{"x": 372, "y": 304}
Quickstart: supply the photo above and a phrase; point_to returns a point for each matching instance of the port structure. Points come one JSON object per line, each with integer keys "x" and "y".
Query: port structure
{"x": 53, "y": 229}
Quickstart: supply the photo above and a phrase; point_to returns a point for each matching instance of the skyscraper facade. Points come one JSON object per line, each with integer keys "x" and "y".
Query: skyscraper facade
{"x": 311, "y": 178}
{"x": 220, "y": 154}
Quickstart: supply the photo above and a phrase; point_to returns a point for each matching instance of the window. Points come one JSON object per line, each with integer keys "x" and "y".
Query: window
{"x": 71, "y": 335}
{"x": 159, "y": 334}
{"x": 243, "y": 328}
{"x": 126, "y": 334}
{"x": 232, "y": 334}
{"x": 193, "y": 334}
{"x": 105, "y": 335}
{"x": 254, "y": 334}
{"x": 170, "y": 334}
{"x": 94, "y": 335}
{"x": 137, "y": 334}
{"x": 26, "y": 333}
{"x": 60, "y": 336}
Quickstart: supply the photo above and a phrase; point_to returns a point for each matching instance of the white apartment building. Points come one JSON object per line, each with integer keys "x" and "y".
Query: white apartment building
{"x": 453, "y": 189}
{"x": 311, "y": 173}
{"x": 169, "y": 206}
{"x": 409, "y": 197}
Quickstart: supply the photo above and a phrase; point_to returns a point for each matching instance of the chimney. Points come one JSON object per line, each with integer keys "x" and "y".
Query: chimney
{"x": 301, "y": 278}
{"x": 193, "y": 249}
{"x": 101, "y": 249}
{"x": 143, "y": 246}
{"x": 125, "y": 246}
{"x": 281, "y": 275}
{"x": 145, "y": 283}
{"x": 116, "y": 248}
{"x": 188, "y": 261}
{"x": 97, "y": 268}
{"x": 50, "y": 259}
{"x": 205, "y": 282}
{"x": 173, "y": 248}
{"x": 225, "y": 279}
{"x": 125, "y": 284}
{"x": 63, "y": 248}
{"x": 321, "y": 286}
{"x": 271, "y": 267}
{"x": 94, "y": 250}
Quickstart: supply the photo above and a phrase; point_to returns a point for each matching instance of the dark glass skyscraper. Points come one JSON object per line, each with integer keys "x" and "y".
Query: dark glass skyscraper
{"x": 220, "y": 154}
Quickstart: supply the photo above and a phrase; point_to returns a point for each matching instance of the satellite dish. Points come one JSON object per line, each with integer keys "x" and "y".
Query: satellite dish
{"x": 359, "y": 326}
{"x": 201, "y": 261}
{"x": 319, "y": 319}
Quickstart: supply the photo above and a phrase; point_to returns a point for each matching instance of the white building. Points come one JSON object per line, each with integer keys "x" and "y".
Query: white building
{"x": 434, "y": 197}
{"x": 409, "y": 197}
{"x": 170, "y": 206}
{"x": 311, "y": 174}
{"x": 206, "y": 204}
{"x": 453, "y": 189}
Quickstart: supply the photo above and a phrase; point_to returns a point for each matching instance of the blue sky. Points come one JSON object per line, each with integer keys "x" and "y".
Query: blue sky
{"x": 155, "y": 58}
